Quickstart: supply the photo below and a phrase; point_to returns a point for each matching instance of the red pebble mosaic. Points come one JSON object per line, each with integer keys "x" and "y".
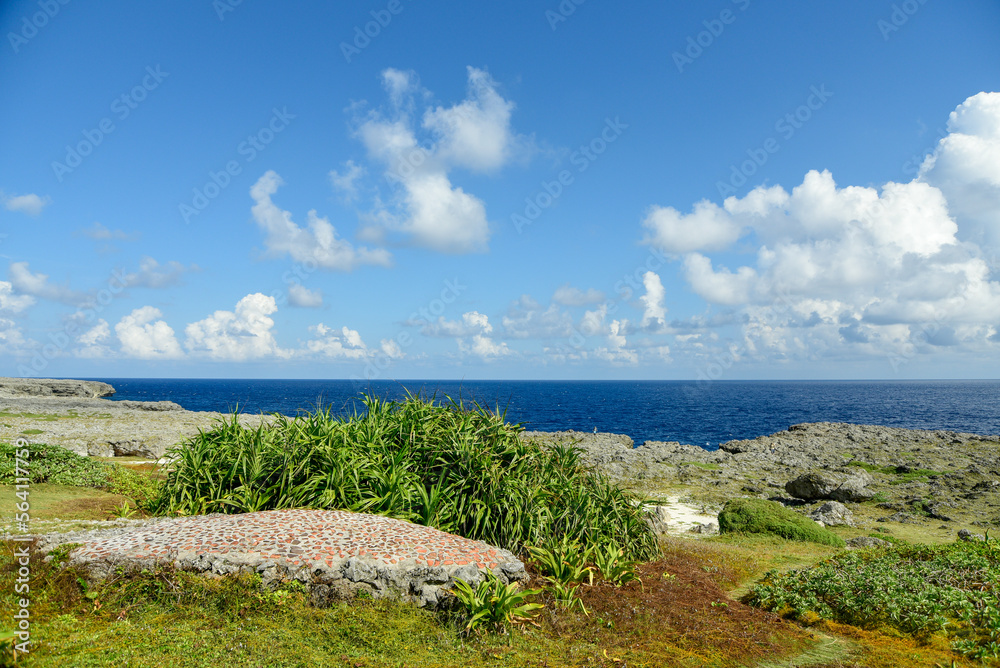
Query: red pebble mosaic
{"x": 296, "y": 537}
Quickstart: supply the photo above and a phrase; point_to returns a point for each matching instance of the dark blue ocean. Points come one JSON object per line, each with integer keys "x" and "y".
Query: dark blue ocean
{"x": 704, "y": 414}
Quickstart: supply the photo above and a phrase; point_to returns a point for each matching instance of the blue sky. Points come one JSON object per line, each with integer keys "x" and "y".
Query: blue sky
{"x": 723, "y": 190}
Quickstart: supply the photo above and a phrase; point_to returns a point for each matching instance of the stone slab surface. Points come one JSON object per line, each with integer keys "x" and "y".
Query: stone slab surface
{"x": 337, "y": 554}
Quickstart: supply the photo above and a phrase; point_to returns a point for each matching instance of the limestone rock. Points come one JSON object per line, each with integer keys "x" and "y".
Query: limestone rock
{"x": 812, "y": 486}
{"x": 832, "y": 514}
{"x": 819, "y": 485}
{"x": 43, "y": 387}
{"x": 706, "y": 529}
{"x": 866, "y": 541}
{"x": 658, "y": 518}
{"x": 969, "y": 537}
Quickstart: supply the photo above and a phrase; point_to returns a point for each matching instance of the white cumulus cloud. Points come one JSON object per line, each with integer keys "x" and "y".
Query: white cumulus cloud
{"x": 12, "y": 303}
{"x": 30, "y": 204}
{"x": 907, "y": 266}
{"x": 143, "y": 335}
{"x": 429, "y": 210}
{"x": 242, "y": 334}
{"x": 344, "y": 343}
{"x": 303, "y": 297}
{"x": 708, "y": 227}
{"x": 317, "y": 243}
{"x": 38, "y": 285}
{"x": 966, "y": 168}
{"x": 654, "y": 310}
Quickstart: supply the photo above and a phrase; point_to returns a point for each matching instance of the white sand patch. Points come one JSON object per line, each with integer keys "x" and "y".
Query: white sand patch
{"x": 684, "y": 516}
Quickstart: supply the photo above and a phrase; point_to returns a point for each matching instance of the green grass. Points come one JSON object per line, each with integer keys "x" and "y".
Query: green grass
{"x": 758, "y": 516}
{"x": 707, "y": 466}
{"x": 180, "y": 619}
{"x": 464, "y": 471}
{"x": 64, "y": 502}
{"x": 919, "y": 590}
{"x": 48, "y": 417}
{"x": 32, "y": 432}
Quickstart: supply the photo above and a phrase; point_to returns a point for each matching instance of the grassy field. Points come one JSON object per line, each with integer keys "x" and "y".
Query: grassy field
{"x": 731, "y": 600}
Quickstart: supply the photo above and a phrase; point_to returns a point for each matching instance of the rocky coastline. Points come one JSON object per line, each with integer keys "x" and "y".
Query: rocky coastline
{"x": 76, "y": 415}
{"x": 881, "y": 476}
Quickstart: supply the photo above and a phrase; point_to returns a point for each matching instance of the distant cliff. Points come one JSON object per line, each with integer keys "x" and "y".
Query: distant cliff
{"x": 41, "y": 387}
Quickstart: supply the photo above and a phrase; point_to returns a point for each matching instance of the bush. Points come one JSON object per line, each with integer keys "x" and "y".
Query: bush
{"x": 59, "y": 466}
{"x": 770, "y": 517}
{"x": 139, "y": 487}
{"x": 54, "y": 464}
{"x": 915, "y": 589}
{"x": 463, "y": 471}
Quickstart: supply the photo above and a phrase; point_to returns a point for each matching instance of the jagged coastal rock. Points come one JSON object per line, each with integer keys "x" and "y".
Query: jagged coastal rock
{"x": 820, "y": 485}
{"x": 926, "y": 476}
{"x": 74, "y": 414}
{"x": 833, "y": 514}
{"x": 32, "y": 387}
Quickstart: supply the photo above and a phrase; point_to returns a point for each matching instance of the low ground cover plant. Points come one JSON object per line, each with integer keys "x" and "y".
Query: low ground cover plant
{"x": 463, "y": 470}
{"x": 918, "y": 590}
{"x": 769, "y": 517}
{"x": 57, "y": 465}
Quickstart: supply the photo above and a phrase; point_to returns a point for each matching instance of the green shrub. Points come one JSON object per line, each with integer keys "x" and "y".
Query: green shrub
{"x": 494, "y": 605}
{"x": 59, "y": 466}
{"x": 465, "y": 471}
{"x": 770, "y": 517}
{"x": 54, "y": 464}
{"x": 916, "y": 589}
{"x": 137, "y": 486}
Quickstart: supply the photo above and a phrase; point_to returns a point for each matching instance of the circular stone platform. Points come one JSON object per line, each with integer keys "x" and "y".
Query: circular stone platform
{"x": 335, "y": 553}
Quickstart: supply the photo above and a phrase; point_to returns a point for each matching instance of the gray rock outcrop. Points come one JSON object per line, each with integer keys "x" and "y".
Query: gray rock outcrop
{"x": 69, "y": 414}
{"x": 861, "y": 542}
{"x": 818, "y": 485}
{"x": 832, "y": 514}
{"x": 956, "y": 471}
{"x": 44, "y": 387}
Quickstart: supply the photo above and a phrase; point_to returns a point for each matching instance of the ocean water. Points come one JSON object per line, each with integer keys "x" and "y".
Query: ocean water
{"x": 703, "y": 414}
